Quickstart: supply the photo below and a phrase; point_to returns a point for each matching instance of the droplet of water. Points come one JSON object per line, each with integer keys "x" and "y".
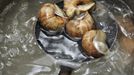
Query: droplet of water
{"x": 13, "y": 52}
{"x": 24, "y": 47}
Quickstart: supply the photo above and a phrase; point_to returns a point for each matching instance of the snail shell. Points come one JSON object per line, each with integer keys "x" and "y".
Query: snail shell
{"x": 93, "y": 42}
{"x": 51, "y": 17}
{"x": 79, "y": 25}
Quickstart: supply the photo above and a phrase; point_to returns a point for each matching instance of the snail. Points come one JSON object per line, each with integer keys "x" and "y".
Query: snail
{"x": 52, "y": 17}
{"x": 78, "y": 26}
{"x": 77, "y": 6}
{"x": 94, "y": 43}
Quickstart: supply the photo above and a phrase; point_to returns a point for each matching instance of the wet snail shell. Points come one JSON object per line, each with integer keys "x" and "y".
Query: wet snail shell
{"x": 93, "y": 42}
{"x": 79, "y": 25}
{"x": 51, "y": 17}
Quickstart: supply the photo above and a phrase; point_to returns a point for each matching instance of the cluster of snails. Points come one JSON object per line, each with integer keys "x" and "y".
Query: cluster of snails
{"x": 78, "y": 23}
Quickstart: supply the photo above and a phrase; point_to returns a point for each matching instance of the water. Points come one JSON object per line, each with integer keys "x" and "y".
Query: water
{"x": 21, "y": 55}
{"x": 19, "y": 52}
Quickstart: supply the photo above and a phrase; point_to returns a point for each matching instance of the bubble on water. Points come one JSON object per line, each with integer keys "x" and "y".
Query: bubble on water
{"x": 109, "y": 69}
{"x": 24, "y": 48}
{"x": 13, "y": 52}
{"x": 119, "y": 9}
{"x": 29, "y": 38}
{"x": 13, "y": 38}
{"x": 1, "y": 65}
{"x": 9, "y": 63}
{"x": 7, "y": 36}
{"x": 35, "y": 43}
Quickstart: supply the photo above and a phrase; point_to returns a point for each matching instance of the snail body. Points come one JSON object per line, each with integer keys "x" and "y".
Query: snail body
{"x": 77, "y": 6}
